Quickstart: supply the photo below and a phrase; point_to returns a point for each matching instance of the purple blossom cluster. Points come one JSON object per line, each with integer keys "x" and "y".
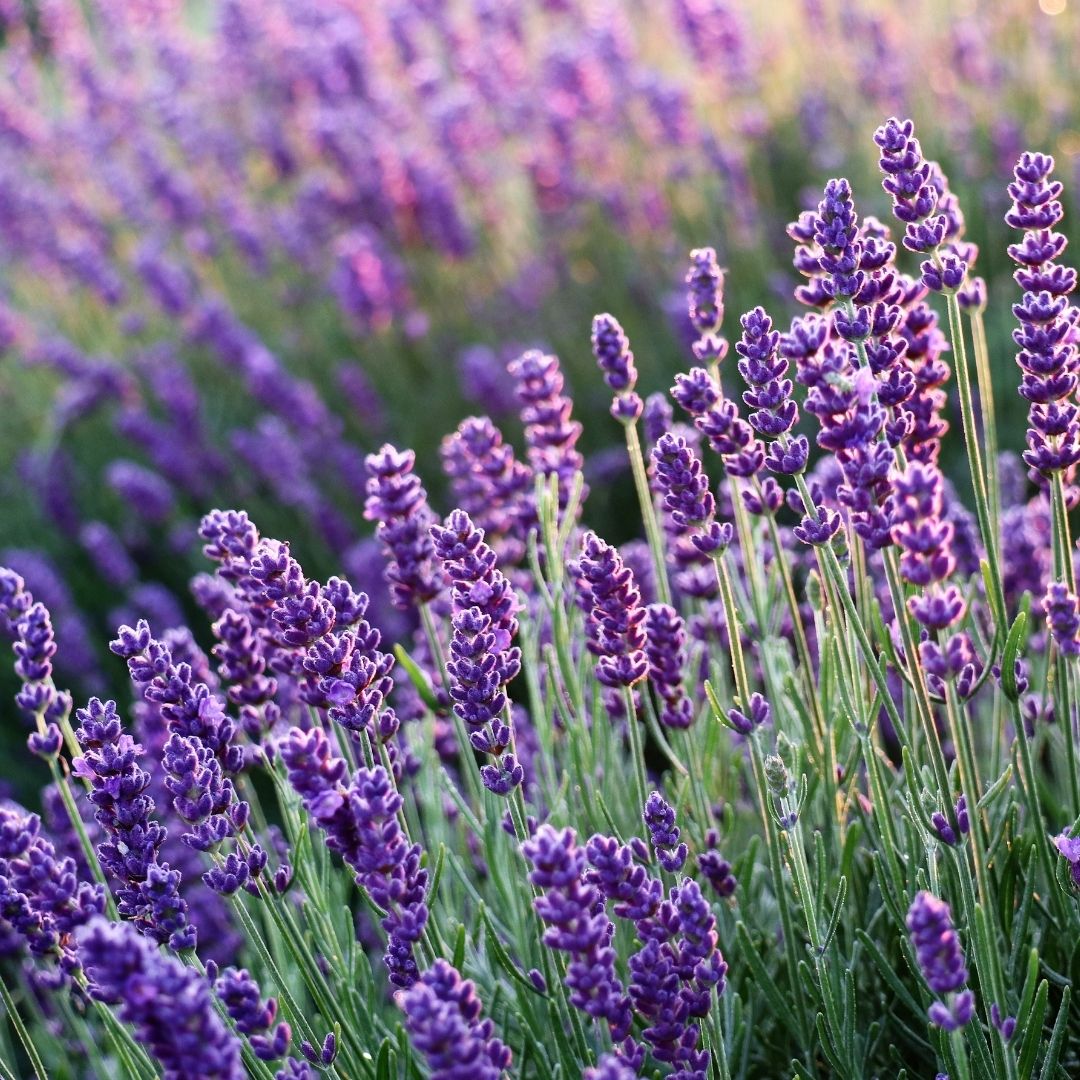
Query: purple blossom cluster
{"x": 442, "y": 1016}
{"x": 490, "y": 485}
{"x": 483, "y": 659}
{"x": 615, "y": 616}
{"x": 678, "y": 966}
{"x": 567, "y": 905}
{"x": 1046, "y": 334}
{"x": 699, "y": 394}
{"x": 917, "y": 187}
{"x": 397, "y": 502}
{"x": 359, "y": 816}
{"x": 170, "y": 1006}
{"x": 253, "y": 1016}
{"x": 42, "y": 899}
{"x": 774, "y": 414}
{"x": 611, "y": 349}
{"x": 148, "y": 889}
{"x": 665, "y": 650}
{"x": 679, "y": 478}
{"x": 551, "y": 434}
{"x": 941, "y": 960}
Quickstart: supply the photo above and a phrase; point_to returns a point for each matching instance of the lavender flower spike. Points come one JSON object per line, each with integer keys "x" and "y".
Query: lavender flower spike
{"x": 614, "y": 614}
{"x": 705, "y": 285}
{"x": 666, "y": 651}
{"x": 941, "y": 960}
{"x": 659, "y": 816}
{"x": 1046, "y": 335}
{"x": 149, "y": 890}
{"x": 612, "y": 352}
{"x": 169, "y": 1005}
{"x": 442, "y": 1016}
{"x": 577, "y": 925}
{"x": 550, "y": 434}
{"x": 396, "y": 500}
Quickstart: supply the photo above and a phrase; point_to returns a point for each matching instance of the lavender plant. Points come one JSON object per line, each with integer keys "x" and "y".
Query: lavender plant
{"x": 786, "y": 785}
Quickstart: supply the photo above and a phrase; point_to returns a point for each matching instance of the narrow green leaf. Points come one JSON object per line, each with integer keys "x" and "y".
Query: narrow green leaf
{"x": 1057, "y": 1038}
{"x": 459, "y": 947}
{"x": 417, "y": 678}
{"x": 1032, "y": 1029}
{"x": 503, "y": 958}
{"x": 1008, "y": 657}
{"x": 838, "y": 907}
{"x": 996, "y": 789}
{"x": 382, "y": 1061}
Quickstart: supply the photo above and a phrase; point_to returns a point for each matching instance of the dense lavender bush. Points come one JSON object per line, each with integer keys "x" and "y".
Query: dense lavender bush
{"x": 727, "y": 731}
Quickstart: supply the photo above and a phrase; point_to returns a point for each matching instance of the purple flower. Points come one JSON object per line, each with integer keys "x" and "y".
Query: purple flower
{"x": 757, "y": 714}
{"x": 919, "y": 527}
{"x": 716, "y": 869}
{"x": 774, "y": 412}
{"x": 657, "y": 417}
{"x": 678, "y": 476}
{"x": 941, "y": 960}
{"x": 659, "y": 817}
{"x": 108, "y": 553}
{"x": 360, "y": 820}
{"x": 836, "y": 234}
{"x": 717, "y": 418}
{"x": 665, "y": 649}
{"x": 698, "y": 960}
{"x": 636, "y": 895}
{"x": 941, "y": 823}
{"x": 490, "y": 485}
{"x": 146, "y": 493}
{"x": 610, "y": 1067}
{"x": 398, "y": 503}
{"x": 550, "y": 434}
{"x": 443, "y": 1018}
{"x": 1046, "y": 334}
{"x": 241, "y": 662}
{"x": 909, "y": 180}
{"x": 705, "y": 285}
{"x": 818, "y": 528}
{"x": 682, "y": 482}
{"x": 470, "y": 565}
{"x": 655, "y": 989}
{"x": 169, "y": 1005}
{"x": 577, "y": 925}
{"x": 1063, "y": 617}
{"x": 148, "y": 892}
{"x": 614, "y": 615}
{"x": 1069, "y": 848}
{"x": 611, "y": 350}
{"x": 477, "y": 678}
{"x": 202, "y": 797}
{"x": 41, "y": 896}
{"x": 253, "y": 1017}
{"x": 187, "y": 705}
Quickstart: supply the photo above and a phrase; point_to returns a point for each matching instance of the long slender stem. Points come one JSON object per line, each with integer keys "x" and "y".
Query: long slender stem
{"x": 24, "y": 1035}
{"x": 979, "y": 483}
{"x": 985, "y": 382}
{"x": 648, "y": 511}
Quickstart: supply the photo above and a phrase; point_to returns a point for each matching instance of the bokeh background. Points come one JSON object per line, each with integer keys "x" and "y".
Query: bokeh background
{"x": 244, "y": 242}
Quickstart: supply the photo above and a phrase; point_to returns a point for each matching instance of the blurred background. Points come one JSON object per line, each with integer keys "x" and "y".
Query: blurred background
{"x": 244, "y": 242}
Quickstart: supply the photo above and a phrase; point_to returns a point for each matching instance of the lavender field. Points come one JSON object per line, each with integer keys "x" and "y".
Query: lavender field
{"x": 537, "y": 539}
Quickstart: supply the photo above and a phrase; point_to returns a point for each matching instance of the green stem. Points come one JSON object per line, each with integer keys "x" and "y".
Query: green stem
{"x": 24, "y": 1035}
{"x": 979, "y": 481}
{"x": 648, "y": 511}
{"x": 985, "y": 382}
{"x": 641, "y": 782}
